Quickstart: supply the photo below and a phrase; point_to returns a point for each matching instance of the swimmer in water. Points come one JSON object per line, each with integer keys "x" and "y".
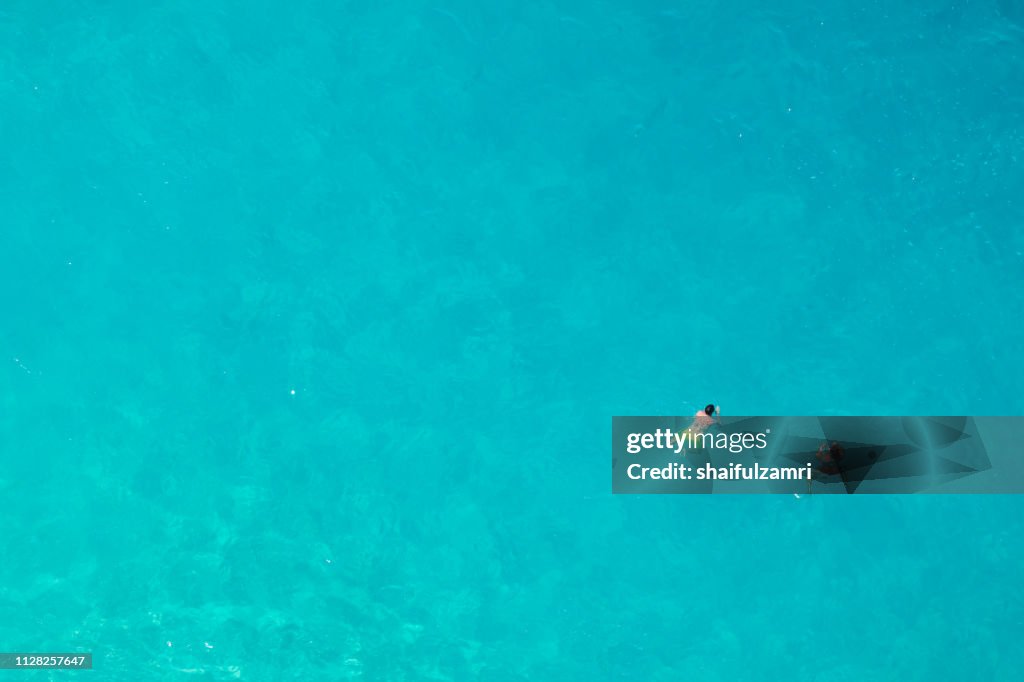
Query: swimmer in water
{"x": 702, "y": 420}
{"x": 705, "y": 418}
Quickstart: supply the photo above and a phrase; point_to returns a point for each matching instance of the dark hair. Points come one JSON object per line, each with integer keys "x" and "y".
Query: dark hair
{"x": 709, "y": 410}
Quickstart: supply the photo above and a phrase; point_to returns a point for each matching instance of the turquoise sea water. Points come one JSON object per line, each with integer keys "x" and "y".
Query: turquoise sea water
{"x": 315, "y": 314}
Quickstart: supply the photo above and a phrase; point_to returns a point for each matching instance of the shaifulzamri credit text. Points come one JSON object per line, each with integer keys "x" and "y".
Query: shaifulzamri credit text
{"x": 678, "y": 471}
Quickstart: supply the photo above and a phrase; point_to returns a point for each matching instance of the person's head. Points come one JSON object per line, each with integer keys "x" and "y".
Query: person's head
{"x": 709, "y": 410}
